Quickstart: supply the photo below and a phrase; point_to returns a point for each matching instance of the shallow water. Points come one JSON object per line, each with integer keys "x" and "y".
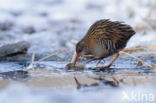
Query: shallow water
{"x": 54, "y": 83}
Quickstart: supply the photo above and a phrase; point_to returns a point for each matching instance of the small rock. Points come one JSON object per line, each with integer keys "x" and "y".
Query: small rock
{"x": 19, "y": 57}
{"x": 29, "y": 30}
{"x": 5, "y": 25}
{"x": 14, "y": 49}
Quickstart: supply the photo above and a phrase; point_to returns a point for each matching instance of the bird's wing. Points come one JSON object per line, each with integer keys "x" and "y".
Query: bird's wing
{"x": 110, "y": 34}
{"x": 110, "y": 30}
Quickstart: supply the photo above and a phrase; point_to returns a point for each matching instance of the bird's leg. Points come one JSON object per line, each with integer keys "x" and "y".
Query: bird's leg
{"x": 107, "y": 66}
{"x": 98, "y": 62}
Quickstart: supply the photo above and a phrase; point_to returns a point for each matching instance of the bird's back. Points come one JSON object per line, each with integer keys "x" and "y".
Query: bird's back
{"x": 111, "y": 36}
{"x": 110, "y": 30}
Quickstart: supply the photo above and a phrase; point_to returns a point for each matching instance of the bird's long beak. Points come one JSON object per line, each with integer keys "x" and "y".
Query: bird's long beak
{"x": 77, "y": 57}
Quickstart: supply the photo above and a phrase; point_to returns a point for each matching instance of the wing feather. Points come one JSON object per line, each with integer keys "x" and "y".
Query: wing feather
{"x": 111, "y": 35}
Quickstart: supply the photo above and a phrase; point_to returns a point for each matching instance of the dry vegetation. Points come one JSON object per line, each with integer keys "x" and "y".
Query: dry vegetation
{"x": 148, "y": 23}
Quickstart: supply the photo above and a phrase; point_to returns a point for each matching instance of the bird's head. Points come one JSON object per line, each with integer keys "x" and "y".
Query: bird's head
{"x": 81, "y": 49}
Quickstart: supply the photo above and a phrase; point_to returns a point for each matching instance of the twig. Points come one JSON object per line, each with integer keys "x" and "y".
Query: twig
{"x": 137, "y": 59}
{"x": 46, "y": 57}
{"x": 32, "y": 61}
{"x": 134, "y": 49}
{"x": 146, "y": 19}
{"x": 150, "y": 11}
{"x": 151, "y": 47}
{"x": 33, "y": 58}
{"x": 142, "y": 54}
{"x": 74, "y": 57}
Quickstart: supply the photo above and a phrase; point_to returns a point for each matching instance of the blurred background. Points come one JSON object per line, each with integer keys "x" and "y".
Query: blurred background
{"x": 49, "y": 25}
{"x": 52, "y": 25}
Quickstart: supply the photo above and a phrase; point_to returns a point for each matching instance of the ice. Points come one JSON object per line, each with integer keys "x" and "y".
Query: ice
{"x": 21, "y": 93}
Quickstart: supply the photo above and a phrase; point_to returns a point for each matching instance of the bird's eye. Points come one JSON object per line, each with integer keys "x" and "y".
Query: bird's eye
{"x": 80, "y": 50}
{"x": 80, "y": 47}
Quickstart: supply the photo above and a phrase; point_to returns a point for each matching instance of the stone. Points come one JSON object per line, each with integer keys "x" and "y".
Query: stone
{"x": 14, "y": 49}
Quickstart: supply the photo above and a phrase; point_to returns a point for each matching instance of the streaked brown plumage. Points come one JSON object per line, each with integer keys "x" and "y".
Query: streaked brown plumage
{"x": 104, "y": 38}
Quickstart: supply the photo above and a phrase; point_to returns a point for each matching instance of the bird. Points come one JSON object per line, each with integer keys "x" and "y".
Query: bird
{"x": 103, "y": 39}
